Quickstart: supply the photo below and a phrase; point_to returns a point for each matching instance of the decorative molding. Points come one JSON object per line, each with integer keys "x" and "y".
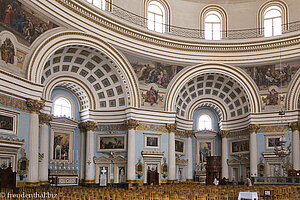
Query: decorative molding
{"x": 89, "y": 125}
{"x": 13, "y": 102}
{"x": 189, "y": 133}
{"x": 152, "y": 154}
{"x": 114, "y": 127}
{"x": 45, "y": 118}
{"x": 171, "y": 127}
{"x": 151, "y": 127}
{"x": 294, "y": 126}
{"x": 181, "y": 161}
{"x": 224, "y": 133}
{"x": 279, "y": 129}
{"x": 34, "y": 105}
{"x": 131, "y": 123}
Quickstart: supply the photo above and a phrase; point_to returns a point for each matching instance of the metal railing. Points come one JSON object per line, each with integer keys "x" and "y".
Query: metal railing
{"x": 194, "y": 33}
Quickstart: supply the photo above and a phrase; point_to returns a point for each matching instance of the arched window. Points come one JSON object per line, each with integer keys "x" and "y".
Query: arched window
{"x": 156, "y": 17}
{"x": 205, "y": 122}
{"x": 212, "y": 26}
{"x": 272, "y": 21}
{"x": 62, "y": 108}
{"x": 98, "y": 3}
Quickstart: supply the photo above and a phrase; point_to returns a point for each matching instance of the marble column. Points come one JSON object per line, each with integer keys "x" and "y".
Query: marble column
{"x": 44, "y": 147}
{"x": 189, "y": 134}
{"x": 34, "y": 106}
{"x": 131, "y": 125}
{"x": 81, "y": 157}
{"x": 224, "y": 154}
{"x": 171, "y": 153}
{"x": 253, "y": 128}
{"x": 295, "y": 126}
{"x": 90, "y": 127}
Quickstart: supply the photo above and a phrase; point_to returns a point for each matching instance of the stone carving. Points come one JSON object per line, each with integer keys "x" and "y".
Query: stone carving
{"x": 224, "y": 133}
{"x": 45, "y": 118}
{"x": 12, "y": 102}
{"x": 131, "y": 123}
{"x": 88, "y": 126}
{"x": 294, "y": 125}
{"x": 253, "y": 128}
{"x": 35, "y": 106}
{"x": 171, "y": 127}
{"x": 8, "y": 51}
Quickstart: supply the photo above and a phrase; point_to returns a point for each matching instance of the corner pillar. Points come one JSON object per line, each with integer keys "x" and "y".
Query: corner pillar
{"x": 171, "y": 153}
{"x": 34, "y": 106}
{"x": 253, "y": 128}
{"x": 224, "y": 155}
{"x": 189, "y": 134}
{"x": 131, "y": 125}
{"x": 44, "y": 147}
{"x": 295, "y": 126}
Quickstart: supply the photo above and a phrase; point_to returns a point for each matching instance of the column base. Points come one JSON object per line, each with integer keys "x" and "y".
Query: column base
{"x": 189, "y": 180}
{"x": 32, "y": 184}
{"x": 171, "y": 181}
{"x": 89, "y": 181}
{"x": 21, "y": 184}
{"x": 44, "y": 183}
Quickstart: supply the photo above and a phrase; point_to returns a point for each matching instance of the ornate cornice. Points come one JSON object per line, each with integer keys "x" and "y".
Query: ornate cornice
{"x": 189, "y": 133}
{"x": 45, "y": 118}
{"x": 253, "y": 128}
{"x": 171, "y": 127}
{"x": 12, "y": 102}
{"x": 88, "y": 126}
{"x": 224, "y": 133}
{"x": 131, "y": 123}
{"x": 34, "y": 106}
{"x": 294, "y": 126}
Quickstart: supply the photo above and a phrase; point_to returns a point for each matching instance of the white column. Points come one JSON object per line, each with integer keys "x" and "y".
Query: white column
{"x": 253, "y": 149}
{"x": 34, "y": 107}
{"x": 131, "y": 124}
{"x": 189, "y": 155}
{"x": 44, "y": 148}
{"x": 224, "y": 155}
{"x": 295, "y": 145}
{"x": 171, "y": 153}
{"x": 90, "y": 127}
{"x": 82, "y": 160}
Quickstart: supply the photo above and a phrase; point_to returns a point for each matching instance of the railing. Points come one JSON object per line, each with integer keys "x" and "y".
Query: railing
{"x": 277, "y": 180}
{"x": 194, "y": 33}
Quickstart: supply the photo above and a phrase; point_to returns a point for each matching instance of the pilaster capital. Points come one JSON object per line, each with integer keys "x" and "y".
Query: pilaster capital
{"x": 88, "y": 126}
{"x": 35, "y": 106}
{"x": 171, "y": 127}
{"x": 253, "y": 128}
{"x": 45, "y": 118}
{"x": 224, "y": 133}
{"x": 294, "y": 126}
{"x": 131, "y": 123}
{"x": 189, "y": 133}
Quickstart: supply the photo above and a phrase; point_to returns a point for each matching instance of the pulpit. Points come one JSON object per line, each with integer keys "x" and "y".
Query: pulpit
{"x": 213, "y": 169}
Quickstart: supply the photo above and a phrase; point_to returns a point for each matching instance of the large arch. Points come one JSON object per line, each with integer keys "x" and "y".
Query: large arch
{"x": 67, "y": 38}
{"x": 293, "y": 93}
{"x": 233, "y": 72}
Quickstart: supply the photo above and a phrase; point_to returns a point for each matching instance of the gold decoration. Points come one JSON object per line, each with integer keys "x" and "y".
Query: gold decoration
{"x": 164, "y": 168}
{"x": 41, "y": 157}
{"x": 287, "y": 165}
{"x": 294, "y": 126}
{"x": 45, "y": 118}
{"x": 139, "y": 168}
{"x": 88, "y": 126}
{"x": 131, "y": 123}
{"x": 23, "y": 166}
{"x": 35, "y": 106}
{"x": 171, "y": 127}
{"x": 261, "y": 168}
{"x": 253, "y": 128}
{"x": 12, "y": 102}
{"x": 189, "y": 133}
{"x": 224, "y": 133}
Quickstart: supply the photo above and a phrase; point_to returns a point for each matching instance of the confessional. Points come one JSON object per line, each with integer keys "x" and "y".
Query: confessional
{"x": 152, "y": 177}
{"x": 8, "y": 178}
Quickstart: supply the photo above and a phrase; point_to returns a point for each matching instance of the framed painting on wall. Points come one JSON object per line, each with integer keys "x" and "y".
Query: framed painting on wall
{"x": 205, "y": 150}
{"x": 8, "y": 122}
{"x": 61, "y": 146}
{"x": 108, "y": 143}
{"x": 272, "y": 141}
{"x": 179, "y": 146}
{"x": 152, "y": 141}
{"x": 239, "y": 147}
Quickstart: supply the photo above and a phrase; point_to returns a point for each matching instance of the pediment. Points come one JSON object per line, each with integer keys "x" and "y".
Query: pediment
{"x": 64, "y": 121}
{"x": 102, "y": 160}
{"x": 205, "y": 134}
{"x": 181, "y": 161}
{"x": 9, "y": 144}
{"x": 237, "y": 161}
{"x": 120, "y": 159}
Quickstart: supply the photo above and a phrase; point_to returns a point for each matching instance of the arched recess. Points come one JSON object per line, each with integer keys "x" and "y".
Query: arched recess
{"x": 234, "y": 73}
{"x": 293, "y": 94}
{"x": 67, "y": 38}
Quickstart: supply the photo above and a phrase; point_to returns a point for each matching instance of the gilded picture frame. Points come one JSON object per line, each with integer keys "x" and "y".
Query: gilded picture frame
{"x": 111, "y": 143}
{"x": 8, "y": 122}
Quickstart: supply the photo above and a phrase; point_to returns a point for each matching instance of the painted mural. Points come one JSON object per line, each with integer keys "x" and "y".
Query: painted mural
{"x": 7, "y": 51}
{"x": 152, "y": 97}
{"x": 22, "y": 21}
{"x": 204, "y": 152}
{"x": 61, "y": 146}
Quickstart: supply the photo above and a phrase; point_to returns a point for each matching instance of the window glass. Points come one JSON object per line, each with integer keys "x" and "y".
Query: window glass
{"x": 205, "y": 122}
{"x": 212, "y": 27}
{"x": 272, "y": 21}
{"x": 155, "y": 17}
{"x": 62, "y": 107}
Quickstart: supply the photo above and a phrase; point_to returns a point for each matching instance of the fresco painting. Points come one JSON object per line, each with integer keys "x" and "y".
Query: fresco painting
{"x": 148, "y": 71}
{"x": 7, "y": 51}
{"x": 22, "y": 21}
{"x": 152, "y": 97}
